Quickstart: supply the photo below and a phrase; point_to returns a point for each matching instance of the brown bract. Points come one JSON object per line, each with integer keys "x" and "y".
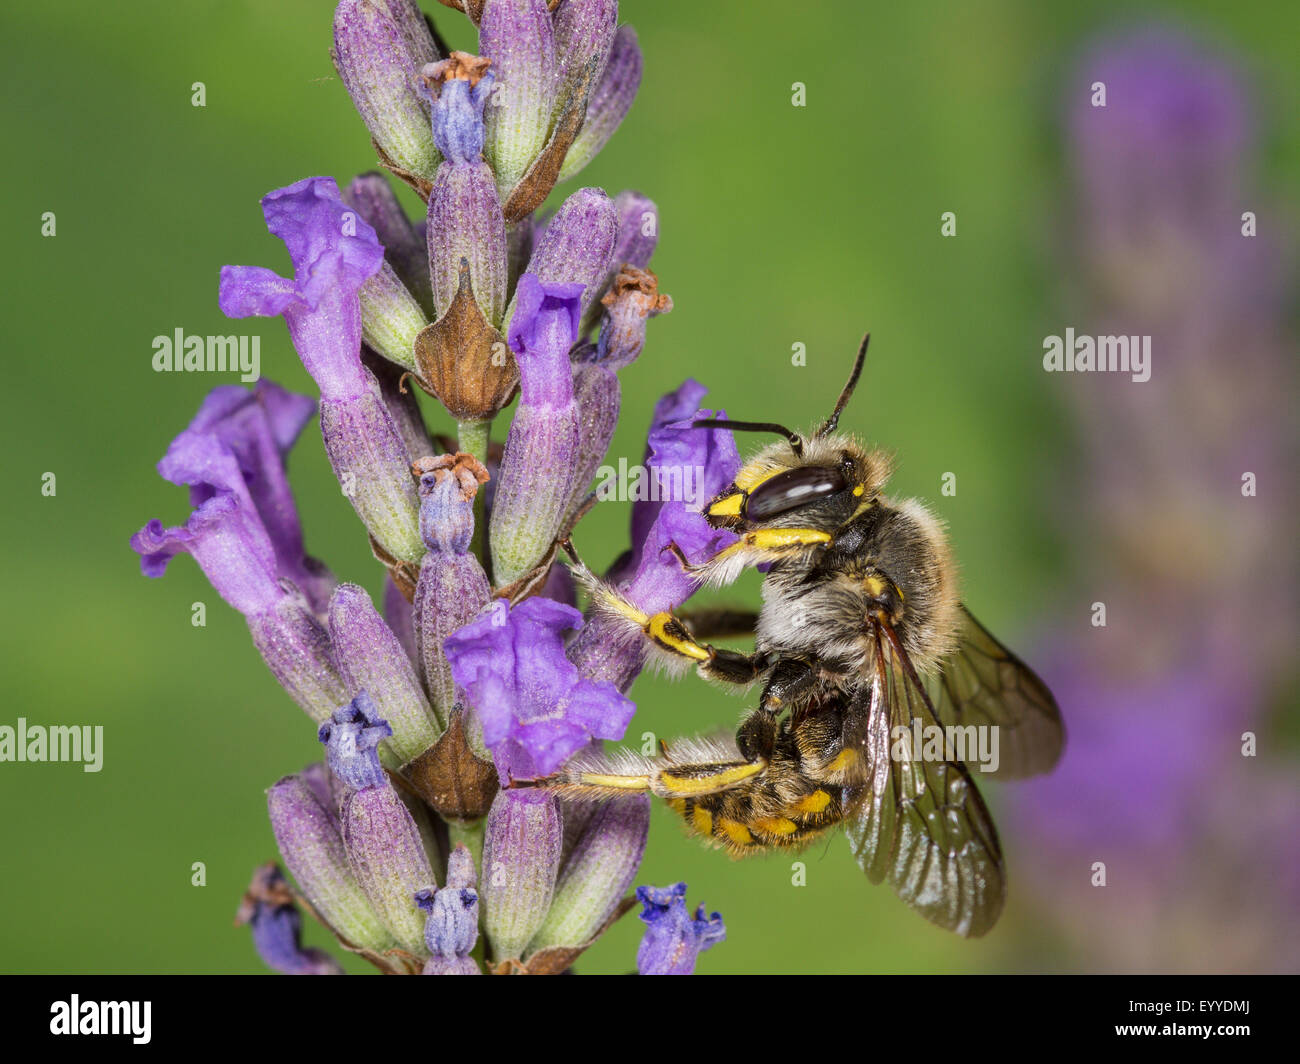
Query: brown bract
{"x": 465, "y": 362}
{"x": 450, "y": 778}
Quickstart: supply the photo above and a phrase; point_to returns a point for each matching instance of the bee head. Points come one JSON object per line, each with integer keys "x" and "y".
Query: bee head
{"x": 816, "y": 481}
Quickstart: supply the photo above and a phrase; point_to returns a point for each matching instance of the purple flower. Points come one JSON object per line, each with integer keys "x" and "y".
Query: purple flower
{"x": 352, "y": 737}
{"x": 333, "y": 251}
{"x": 673, "y": 938}
{"x": 534, "y": 706}
{"x": 451, "y": 925}
{"x": 269, "y": 910}
{"x": 463, "y": 84}
{"x": 236, "y": 446}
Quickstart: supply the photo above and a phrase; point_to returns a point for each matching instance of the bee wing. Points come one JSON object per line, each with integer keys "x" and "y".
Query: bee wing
{"x": 984, "y": 684}
{"x": 919, "y": 825}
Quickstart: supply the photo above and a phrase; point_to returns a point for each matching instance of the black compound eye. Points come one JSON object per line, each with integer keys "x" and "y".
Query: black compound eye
{"x": 792, "y": 489}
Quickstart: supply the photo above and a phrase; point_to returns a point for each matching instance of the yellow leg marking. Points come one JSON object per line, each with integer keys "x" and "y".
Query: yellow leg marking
{"x": 776, "y": 825}
{"x": 777, "y": 538}
{"x": 718, "y": 781}
{"x": 702, "y": 821}
{"x": 620, "y": 783}
{"x": 813, "y": 803}
{"x": 657, "y": 629}
{"x": 735, "y": 831}
{"x": 843, "y": 761}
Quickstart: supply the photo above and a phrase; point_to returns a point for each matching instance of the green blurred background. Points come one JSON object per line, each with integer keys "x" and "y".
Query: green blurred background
{"x": 780, "y": 225}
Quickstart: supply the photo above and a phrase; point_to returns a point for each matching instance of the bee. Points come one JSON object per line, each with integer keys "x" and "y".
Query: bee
{"x": 861, "y": 645}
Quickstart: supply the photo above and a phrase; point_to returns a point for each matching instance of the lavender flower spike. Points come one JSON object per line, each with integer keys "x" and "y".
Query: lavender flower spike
{"x": 534, "y": 707}
{"x": 269, "y": 909}
{"x": 310, "y": 839}
{"x": 601, "y": 867}
{"x": 452, "y": 587}
{"x": 379, "y": 47}
{"x": 382, "y": 840}
{"x": 537, "y": 471}
{"x": 519, "y": 38}
{"x": 521, "y": 856}
{"x": 334, "y": 253}
{"x": 674, "y": 939}
{"x": 451, "y": 927}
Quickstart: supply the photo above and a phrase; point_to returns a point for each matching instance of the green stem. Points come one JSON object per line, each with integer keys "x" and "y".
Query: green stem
{"x": 472, "y": 438}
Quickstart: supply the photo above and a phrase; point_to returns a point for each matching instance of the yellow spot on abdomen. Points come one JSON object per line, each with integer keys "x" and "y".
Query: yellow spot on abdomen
{"x": 735, "y": 831}
{"x": 813, "y": 803}
{"x": 702, "y": 821}
{"x": 776, "y": 825}
{"x": 843, "y": 761}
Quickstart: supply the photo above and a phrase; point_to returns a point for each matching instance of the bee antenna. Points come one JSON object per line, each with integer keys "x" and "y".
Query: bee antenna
{"x": 796, "y": 441}
{"x": 833, "y": 421}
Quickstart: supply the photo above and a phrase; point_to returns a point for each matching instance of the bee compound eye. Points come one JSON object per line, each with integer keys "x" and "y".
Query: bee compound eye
{"x": 792, "y": 489}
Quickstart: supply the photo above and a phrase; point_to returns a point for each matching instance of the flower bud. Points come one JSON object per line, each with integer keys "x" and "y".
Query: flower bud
{"x": 521, "y": 856}
{"x": 452, "y": 588}
{"x": 309, "y": 835}
{"x": 596, "y": 874}
{"x": 609, "y": 102}
{"x": 519, "y": 38}
{"x": 371, "y": 658}
{"x": 379, "y": 48}
{"x": 631, "y": 301}
{"x": 372, "y": 197}
{"x": 391, "y": 318}
{"x": 370, "y": 460}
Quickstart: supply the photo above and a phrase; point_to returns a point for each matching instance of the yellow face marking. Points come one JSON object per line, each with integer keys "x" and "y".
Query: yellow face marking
{"x": 702, "y": 821}
{"x": 656, "y": 628}
{"x": 813, "y": 803}
{"x": 728, "y": 506}
{"x": 621, "y": 783}
{"x": 874, "y": 585}
{"x": 776, "y": 825}
{"x": 718, "y": 781}
{"x": 857, "y": 492}
{"x": 843, "y": 761}
{"x": 735, "y": 831}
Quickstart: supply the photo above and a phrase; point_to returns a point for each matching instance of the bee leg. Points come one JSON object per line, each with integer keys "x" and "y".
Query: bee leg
{"x": 790, "y": 679}
{"x": 720, "y": 623}
{"x": 752, "y": 548}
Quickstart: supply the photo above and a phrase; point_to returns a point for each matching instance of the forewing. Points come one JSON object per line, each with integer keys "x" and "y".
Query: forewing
{"x": 920, "y": 825}
{"x": 985, "y": 685}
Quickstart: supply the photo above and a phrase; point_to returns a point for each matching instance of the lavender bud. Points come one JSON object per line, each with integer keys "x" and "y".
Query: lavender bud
{"x": 369, "y": 458}
{"x": 584, "y": 30}
{"x": 609, "y": 103}
{"x": 402, "y": 405}
{"x": 310, "y": 838}
{"x": 538, "y": 469}
{"x": 372, "y": 197}
{"x": 379, "y": 48}
{"x": 576, "y": 245}
{"x": 596, "y": 391}
{"x": 391, "y": 319}
{"x": 452, "y": 587}
{"x": 521, "y": 856}
{"x": 371, "y": 658}
{"x": 519, "y": 38}
{"x": 673, "y": 938}
{"x": 596, "y": 874}
{"x": 297, "y": 650}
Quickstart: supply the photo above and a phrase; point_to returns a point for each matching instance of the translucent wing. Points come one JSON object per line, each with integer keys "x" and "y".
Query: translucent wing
{"x": 984, "y": 684}
{"x": 919, "y": 825}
